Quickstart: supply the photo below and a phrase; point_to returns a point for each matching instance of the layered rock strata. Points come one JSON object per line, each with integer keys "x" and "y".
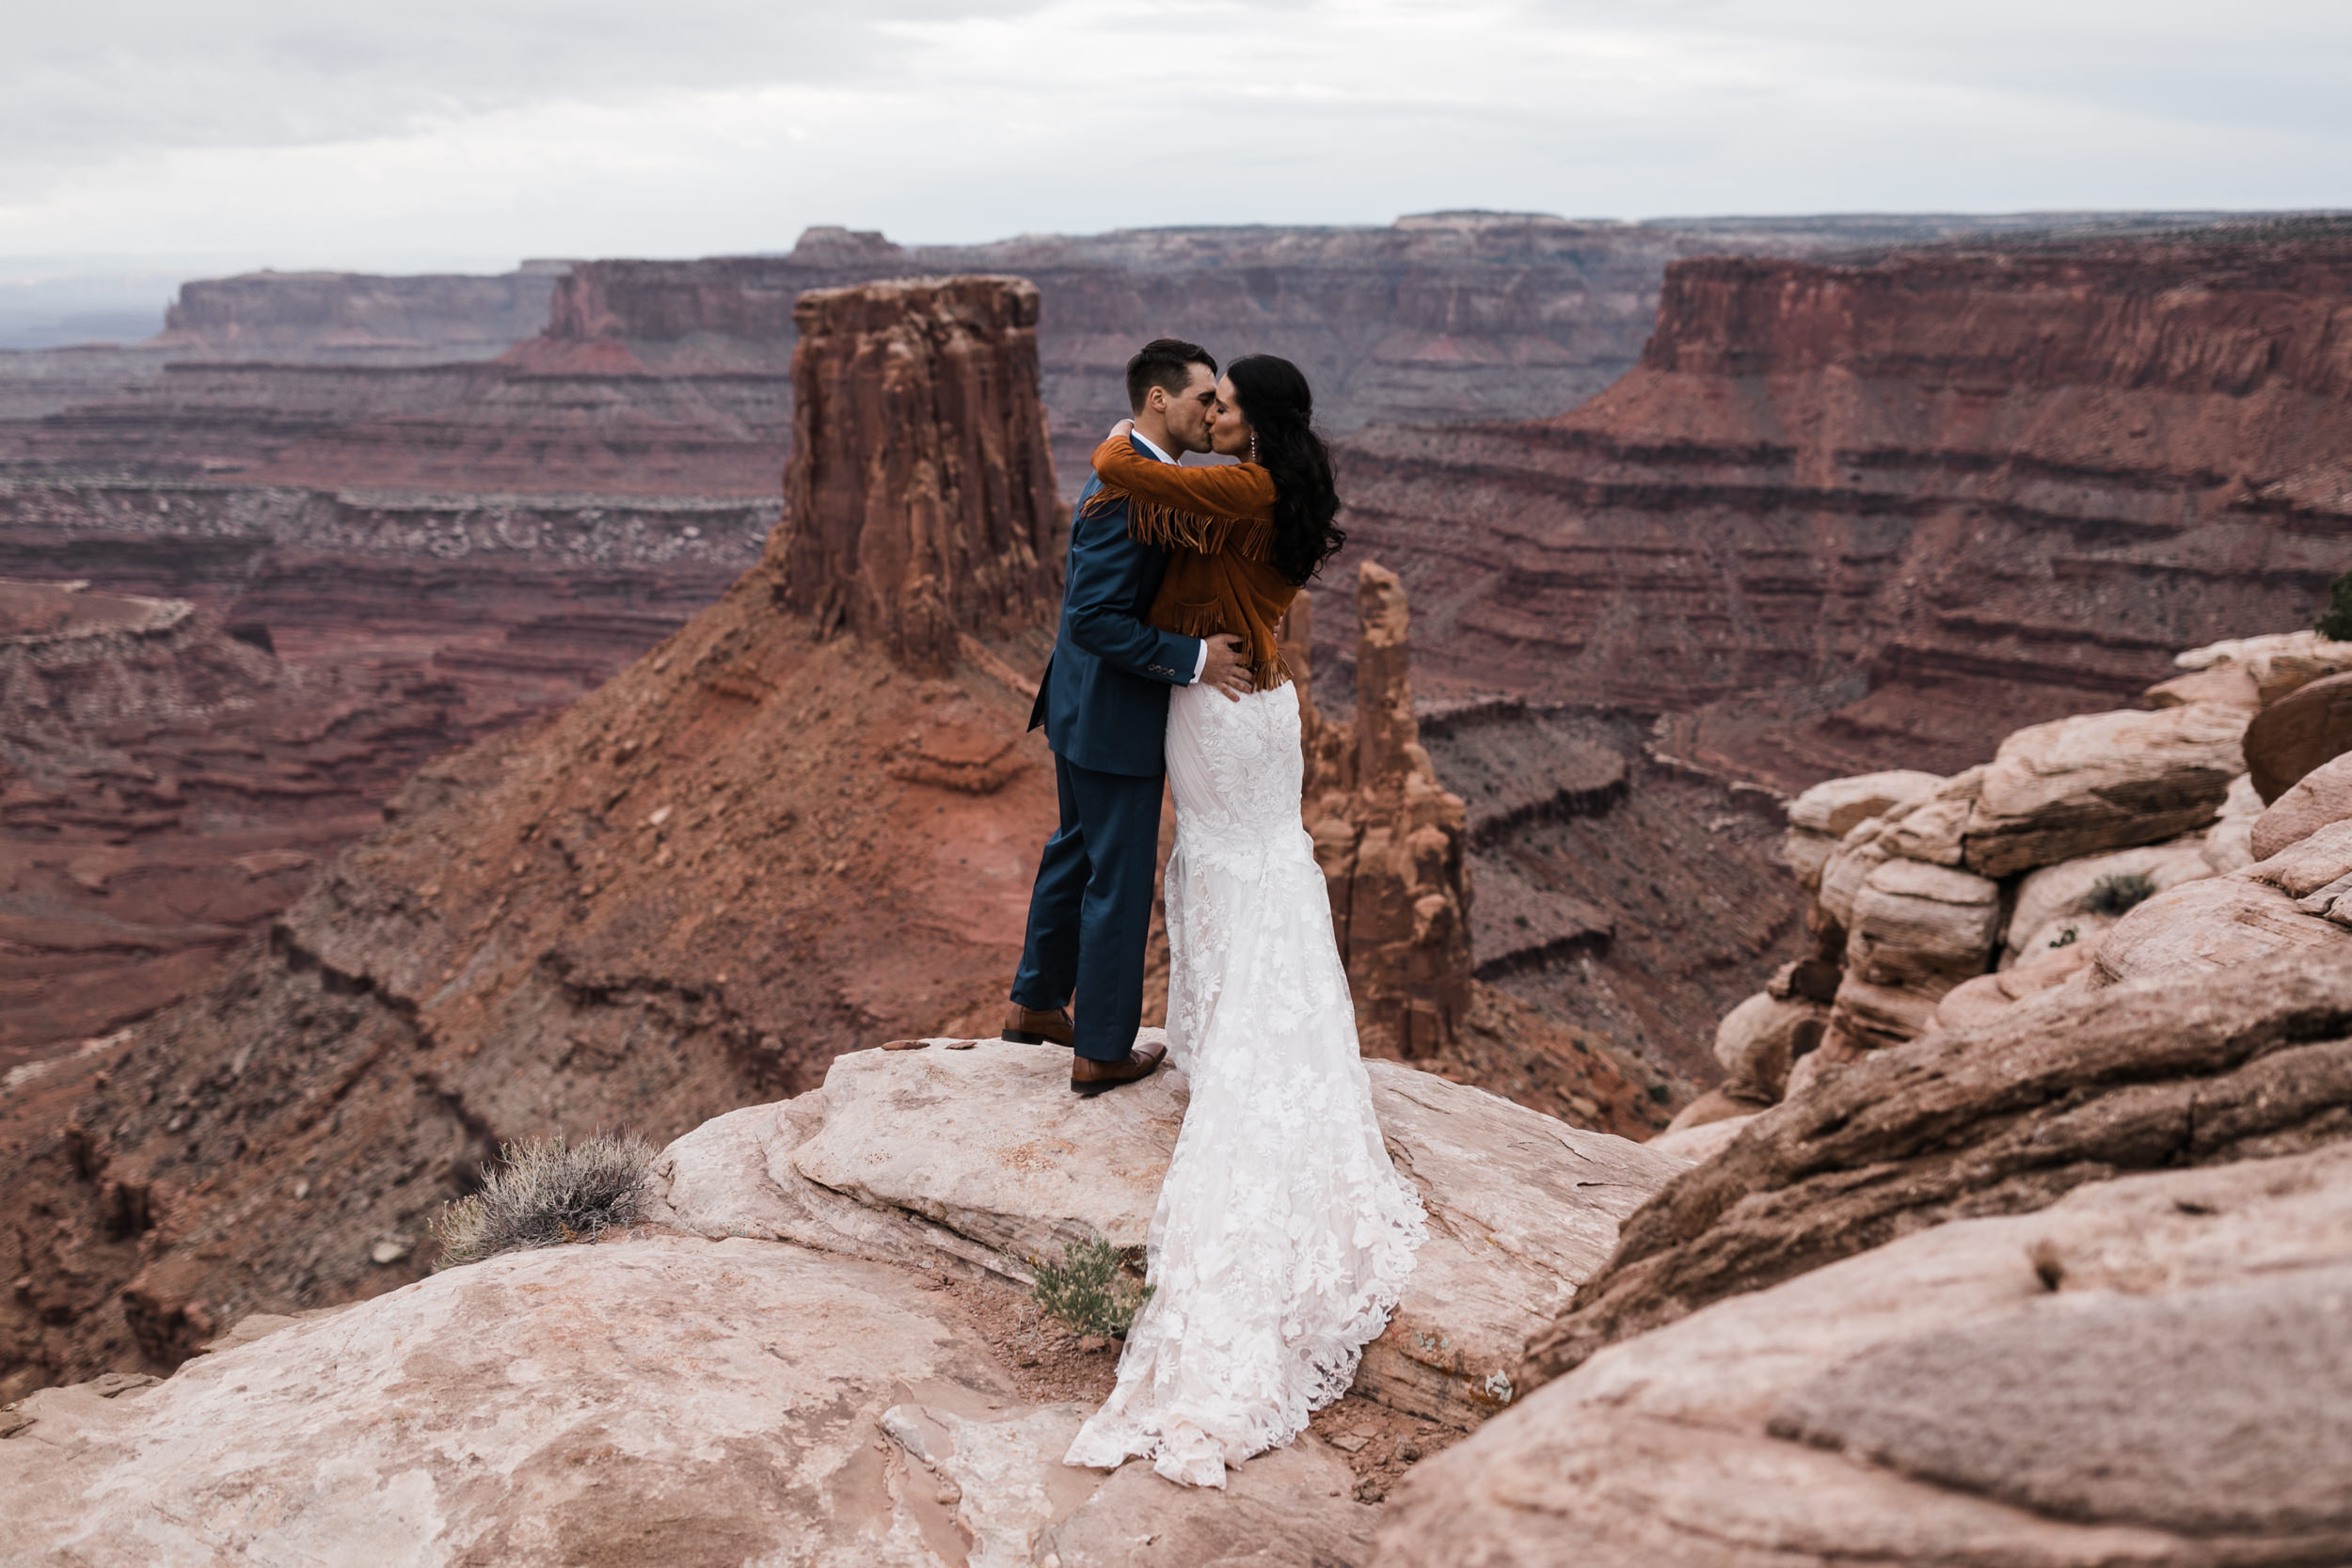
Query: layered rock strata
{"x": 2001, "y": 1117}
{"x": 1633, "y": 897}
{"x": 920, "y": 492}
{"x": 1855, "y": 515}
{"x": 165, "y": 789}
{"x": 353, "y": 317}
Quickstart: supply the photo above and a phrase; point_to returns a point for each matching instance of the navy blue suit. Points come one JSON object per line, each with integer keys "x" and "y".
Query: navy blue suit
{"x": 1104, "y": 704}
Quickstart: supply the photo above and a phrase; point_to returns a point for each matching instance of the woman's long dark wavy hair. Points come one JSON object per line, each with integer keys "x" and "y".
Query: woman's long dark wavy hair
{"x": 1281, "y": 409}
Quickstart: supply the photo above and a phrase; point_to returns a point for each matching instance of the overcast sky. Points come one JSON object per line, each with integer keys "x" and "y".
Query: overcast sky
{"x": 477, "y": 132}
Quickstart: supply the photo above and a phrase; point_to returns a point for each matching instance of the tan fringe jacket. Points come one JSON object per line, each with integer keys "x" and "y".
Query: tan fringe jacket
{"x": 1219, "y": 523}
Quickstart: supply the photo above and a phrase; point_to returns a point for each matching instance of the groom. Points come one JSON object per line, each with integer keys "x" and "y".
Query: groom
{"x": 1103, "y": 703}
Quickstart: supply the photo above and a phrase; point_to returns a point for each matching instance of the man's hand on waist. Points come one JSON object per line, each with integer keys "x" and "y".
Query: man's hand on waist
{"x": 1225, "y": 665}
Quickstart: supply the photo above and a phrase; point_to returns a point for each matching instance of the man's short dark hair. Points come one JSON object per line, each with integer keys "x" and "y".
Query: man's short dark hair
{"x": 1166, "y": 363}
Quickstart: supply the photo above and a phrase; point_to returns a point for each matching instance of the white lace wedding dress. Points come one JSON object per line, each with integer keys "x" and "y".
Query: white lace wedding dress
{"x": 1283, "y": 1236}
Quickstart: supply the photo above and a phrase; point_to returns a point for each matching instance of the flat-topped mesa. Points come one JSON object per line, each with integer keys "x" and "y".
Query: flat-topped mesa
{"x": 1389, "y": 836}
{"x": 919, "y": 500}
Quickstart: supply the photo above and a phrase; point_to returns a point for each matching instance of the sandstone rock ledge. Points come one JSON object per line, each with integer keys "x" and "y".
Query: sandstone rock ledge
{"x": 2152, "y": 1371}
{"x": 974, "y": 1155}
{"x": 660, "y": 1400}
{"x": 771, "y": 1371}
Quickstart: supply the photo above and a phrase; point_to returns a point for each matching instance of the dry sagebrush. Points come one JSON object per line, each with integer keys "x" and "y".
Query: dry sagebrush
{"x": 1091, "y": 1288}
{"x": 546, "y": 1192}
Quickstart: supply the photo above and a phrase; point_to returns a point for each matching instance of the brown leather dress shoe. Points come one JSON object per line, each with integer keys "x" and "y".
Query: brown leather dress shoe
{"x": 1088, "y": 1076}
{"x": 1036, "y": 1026}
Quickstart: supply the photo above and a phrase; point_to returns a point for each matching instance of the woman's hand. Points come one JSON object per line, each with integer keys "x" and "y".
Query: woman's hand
{"x": 1120, "y": 429}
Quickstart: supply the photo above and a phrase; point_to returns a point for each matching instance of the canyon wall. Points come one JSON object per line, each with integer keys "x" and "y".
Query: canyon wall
{"x": 354, "y": 317}
{"x": 1842, "y": 516}
{"x": 165, "y": 787}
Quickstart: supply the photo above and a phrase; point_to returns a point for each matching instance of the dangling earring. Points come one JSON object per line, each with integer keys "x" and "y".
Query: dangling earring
{"x": 1253, "y": 446}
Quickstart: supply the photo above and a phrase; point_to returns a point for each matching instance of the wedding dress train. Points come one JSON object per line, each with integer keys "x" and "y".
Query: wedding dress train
{"x": 1283, "y": 1236}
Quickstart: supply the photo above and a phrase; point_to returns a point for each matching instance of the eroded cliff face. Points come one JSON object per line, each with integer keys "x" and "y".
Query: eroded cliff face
{"x": 758, "y": 845}
{"x": 1870, "y": 515}
{"x": 164, "y": 788}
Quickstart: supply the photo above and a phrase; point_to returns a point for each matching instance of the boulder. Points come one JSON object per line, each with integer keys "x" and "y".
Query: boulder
{"x": 2233, "y": 687}
{"x": 1837, "y": 1050}
{"x": 1974, "y": 1001}
{"x": 1758, "y": 1041}
{"x": 2298, "y": 733}
{"x": 1867, "y": 1016}
{"x": 2276, "y": 908}
{"x": 2072, "y": 889}
{"x": 1928, "y": 829}
{"x": 2229, "y": 841}
{"x": 2322, "y": 796}
{"x": 1288, "y": 1508}
{"x": 1707, "y": 1109}
{"x": 1836, "y": 805}
{"x": 1916, "y": 931}
{"x": 1925, "y": 928}
{"x": 2278, "y": 663}
{"x": 1823, "y": 816}
{"x": 980, "y": 1158}
{"x": 2151, "y": 1372}
{"x": 2103, "y": 781}
{"x": 2002, "y": 1117}
{"x": 1702, "y": 1142}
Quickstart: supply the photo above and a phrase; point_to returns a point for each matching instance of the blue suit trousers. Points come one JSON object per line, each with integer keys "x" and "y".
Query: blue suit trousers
{"x": 1093, "y": 893}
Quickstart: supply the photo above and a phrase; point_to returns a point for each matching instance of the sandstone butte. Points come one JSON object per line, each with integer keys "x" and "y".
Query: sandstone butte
{"x": 1857, "y": 514}
{"x": 804, "y": 824}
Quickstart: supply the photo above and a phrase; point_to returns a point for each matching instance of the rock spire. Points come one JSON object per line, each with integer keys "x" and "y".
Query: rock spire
{"x": 919, "y": 500}
{"x": 1389, "y": 836}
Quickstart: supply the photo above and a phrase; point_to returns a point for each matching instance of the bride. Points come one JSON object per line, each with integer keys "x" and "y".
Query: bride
{"x": 1283, "y": 1236}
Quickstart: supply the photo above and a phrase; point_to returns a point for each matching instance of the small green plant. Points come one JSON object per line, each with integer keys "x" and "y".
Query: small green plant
{"x": 547, "y": 1193}
{"x": 1091, "y": 1289}
{"x": 2335, "y": 622}
{"x": 2066, "y": 938}
{"x": 2113, "y": 896}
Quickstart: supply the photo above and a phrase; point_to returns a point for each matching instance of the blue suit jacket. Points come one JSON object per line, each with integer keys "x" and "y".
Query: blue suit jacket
{"x": 1103, "y": 696}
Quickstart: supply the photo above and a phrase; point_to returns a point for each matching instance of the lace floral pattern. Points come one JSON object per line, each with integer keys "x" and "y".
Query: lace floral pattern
{"x": 1283, "y": 1236}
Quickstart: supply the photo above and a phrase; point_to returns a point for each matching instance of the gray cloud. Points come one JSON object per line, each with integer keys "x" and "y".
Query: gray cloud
{"x": 83, "y": 82}
{"x": 329, "y": 134}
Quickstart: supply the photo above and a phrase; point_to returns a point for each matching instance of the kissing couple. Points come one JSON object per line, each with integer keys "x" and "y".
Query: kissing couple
{"x": 1282, "y": 1236}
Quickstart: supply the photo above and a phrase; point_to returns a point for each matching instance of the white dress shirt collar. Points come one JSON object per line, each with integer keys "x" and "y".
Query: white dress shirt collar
{"x": 1149, "y": 445}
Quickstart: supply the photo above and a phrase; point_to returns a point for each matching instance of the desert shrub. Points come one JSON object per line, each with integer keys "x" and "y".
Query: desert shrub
{"x": 544, "y": 1193}
{"x": 2114, "y": 894}
{"x": 1091, "y": 1289}
{"x": 2335, "y": 622}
